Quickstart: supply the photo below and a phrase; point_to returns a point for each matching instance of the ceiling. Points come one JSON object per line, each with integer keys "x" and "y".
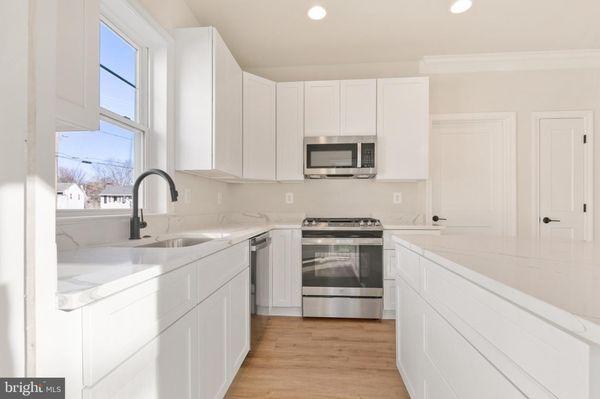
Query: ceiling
{"x": 272, "y": 33}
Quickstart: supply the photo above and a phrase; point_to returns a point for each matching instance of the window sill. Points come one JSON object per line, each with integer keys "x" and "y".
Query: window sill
{"x": 64, "y": 217}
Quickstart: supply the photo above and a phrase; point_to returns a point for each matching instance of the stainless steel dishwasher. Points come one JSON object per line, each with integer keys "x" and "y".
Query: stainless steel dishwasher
{"x": 260, "y": 248}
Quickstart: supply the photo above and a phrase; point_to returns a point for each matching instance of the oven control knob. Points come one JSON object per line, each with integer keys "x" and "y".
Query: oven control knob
{"x": 369, "y": 223}
{"x": 314, "y": 222}
{"x": 377, "y": 223}
{"x": 305, "y": 223}
{"x": 361, "y": 223}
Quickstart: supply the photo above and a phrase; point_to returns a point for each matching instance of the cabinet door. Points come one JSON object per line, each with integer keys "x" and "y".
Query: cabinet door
{"x": 409, "y": 338}
{"x": 239, "y": 321}
{"x": 322, "y": 108}
{"x": 403, "y": 129}
{"x": 77, "y": 65}
{"x": 213, "y": 335}
{"x": 358, "y": 107}
{"x": 227, "y": 113}
{"x": 259, "y": 128}
{"x": 290, "y": 131}
{"x": 286, "y": 268}
{"x": 164, "y": 368}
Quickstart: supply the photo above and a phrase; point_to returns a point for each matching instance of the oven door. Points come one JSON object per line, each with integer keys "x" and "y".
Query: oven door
{"x": 351, "y": 267}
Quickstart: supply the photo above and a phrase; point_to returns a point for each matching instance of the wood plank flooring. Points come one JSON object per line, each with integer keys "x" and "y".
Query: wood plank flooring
{"x": 321, "y": 358}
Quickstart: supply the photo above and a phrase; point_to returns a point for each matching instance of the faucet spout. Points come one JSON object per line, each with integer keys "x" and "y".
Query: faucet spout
{"x": 135, "y": 223}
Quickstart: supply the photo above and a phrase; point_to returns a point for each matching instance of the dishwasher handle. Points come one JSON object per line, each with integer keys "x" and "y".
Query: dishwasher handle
{"x": 256, "y": 245}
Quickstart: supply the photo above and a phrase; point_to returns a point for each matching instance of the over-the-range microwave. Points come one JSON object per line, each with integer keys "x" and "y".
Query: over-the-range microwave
{"x": 340, "y": 157}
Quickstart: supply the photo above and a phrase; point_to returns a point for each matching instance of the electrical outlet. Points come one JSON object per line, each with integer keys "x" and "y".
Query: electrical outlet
{"x": 289, "y": 198}
{"x": 397, "y": 198}
{"x": 187, "y": 196}
{"x": 219, "y": 198}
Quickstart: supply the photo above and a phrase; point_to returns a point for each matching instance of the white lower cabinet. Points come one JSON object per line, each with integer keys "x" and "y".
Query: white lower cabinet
{"x": 213, "y": 347}
{"x": 286, "y": 269}
{"x": 239, "y": 321}
{"x": 164, "y": 368}
{"x": 160, "y": 343}
{"x": 224, "y": 336}
{"x": 436, "y": 362}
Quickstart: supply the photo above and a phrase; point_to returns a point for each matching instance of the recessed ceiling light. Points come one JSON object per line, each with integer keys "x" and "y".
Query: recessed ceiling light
{"x": 460, "y": 6}
{"x": 317, "y": 13}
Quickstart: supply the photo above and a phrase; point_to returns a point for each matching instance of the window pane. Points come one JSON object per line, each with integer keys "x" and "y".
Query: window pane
{"x": 97, "y": 165}
{"x": 118, "y": 73}
{"x": 117, "y": 96}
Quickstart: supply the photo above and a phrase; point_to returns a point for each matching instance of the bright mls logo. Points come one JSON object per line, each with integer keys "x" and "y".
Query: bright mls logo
{"x": 41, "y": 388}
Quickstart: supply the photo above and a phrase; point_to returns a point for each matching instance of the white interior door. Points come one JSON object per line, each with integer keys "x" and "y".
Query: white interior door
{"x": 473, "y": 173}
{"x": 561, "y": 176}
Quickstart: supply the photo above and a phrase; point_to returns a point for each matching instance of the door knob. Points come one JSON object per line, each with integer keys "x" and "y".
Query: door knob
{"x": 436, "y": 218}
{"x": 548, "y": 220}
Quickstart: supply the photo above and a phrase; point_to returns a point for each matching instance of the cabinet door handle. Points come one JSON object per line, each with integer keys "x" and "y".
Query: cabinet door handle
{"x": 436, "y": 218}
{"x": 548, "y": 220}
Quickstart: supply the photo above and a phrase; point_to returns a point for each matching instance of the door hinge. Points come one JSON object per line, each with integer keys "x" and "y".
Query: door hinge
{"x": 585, "y": 139}
{"x": 584, "y": 208}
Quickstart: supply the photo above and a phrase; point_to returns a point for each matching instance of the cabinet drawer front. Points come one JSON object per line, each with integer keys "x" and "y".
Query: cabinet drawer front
{"x": 161, "y": 369}
{"x": 408, "y": 266}
{"x": 518, "y": 340}
{"x": 116, "y": 327}
{"x": 217, "y": 269}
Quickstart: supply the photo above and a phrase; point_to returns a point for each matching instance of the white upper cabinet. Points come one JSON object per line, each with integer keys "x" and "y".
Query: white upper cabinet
{"x": 403, "y": 129}
{"x": 358, "y": 107}
{"x": 208, "y": 110}
{"x": 322, "y": 108}
{"x": 77, "y": 65}
{"x": 290, "y": 131}
{"x": 259, "y": 128}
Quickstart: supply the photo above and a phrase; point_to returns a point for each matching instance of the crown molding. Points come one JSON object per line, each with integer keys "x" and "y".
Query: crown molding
{"x": 520, "y": 61}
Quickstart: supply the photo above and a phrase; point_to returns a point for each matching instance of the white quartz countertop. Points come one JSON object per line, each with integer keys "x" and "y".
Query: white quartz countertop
{"x": 557, "y": 280}
{"x": 92, "y": 273}
{"x": 88, "y": 274}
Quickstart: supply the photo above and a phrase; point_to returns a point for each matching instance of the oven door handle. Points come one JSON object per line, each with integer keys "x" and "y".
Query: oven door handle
{"x": 342, "y": 241}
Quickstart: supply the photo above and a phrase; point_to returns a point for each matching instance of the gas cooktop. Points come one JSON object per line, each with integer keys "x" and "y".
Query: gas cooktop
{"x": 341, "y": 224}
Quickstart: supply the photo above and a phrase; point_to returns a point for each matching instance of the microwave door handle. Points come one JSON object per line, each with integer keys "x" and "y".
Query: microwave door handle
{"x": 359, "y": 155}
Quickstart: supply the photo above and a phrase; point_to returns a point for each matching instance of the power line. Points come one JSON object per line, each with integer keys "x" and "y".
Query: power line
{"x": 91, "y": 162}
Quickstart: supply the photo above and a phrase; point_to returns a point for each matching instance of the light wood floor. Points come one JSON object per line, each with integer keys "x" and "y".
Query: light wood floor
{"x": 321, "y": 358}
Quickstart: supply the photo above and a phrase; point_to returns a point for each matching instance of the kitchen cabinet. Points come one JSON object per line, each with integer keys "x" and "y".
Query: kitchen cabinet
{"x": 455, "y": 335}
{"x": 118, "y": 326}
{"x": 286, "y": 269}
{"x": 213, "y": 345}
{"x": 322, "y": 108}
{"x": 224, "y": 336}
{"x": 164, "y": 368}
{"x": 184, "y": 333}
{"x": 358, "y": 116}
{"x": 403, "y": 129}
{"x": 290, "y": 131}
{"x": 238, "y": 321}
{"x": 259, "y": 128}
{"x": 208, "y": 112}
{"x": 77, "y": 65}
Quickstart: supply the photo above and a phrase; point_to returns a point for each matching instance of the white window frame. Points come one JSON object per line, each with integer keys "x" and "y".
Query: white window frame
{"x": 154, "y": 114}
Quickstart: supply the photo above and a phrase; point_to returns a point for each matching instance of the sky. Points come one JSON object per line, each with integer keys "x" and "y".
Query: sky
{"x": 111, "y": 144}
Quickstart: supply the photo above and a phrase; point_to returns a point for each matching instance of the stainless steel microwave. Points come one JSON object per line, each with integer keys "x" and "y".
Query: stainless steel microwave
{"x": 340, "y": 156}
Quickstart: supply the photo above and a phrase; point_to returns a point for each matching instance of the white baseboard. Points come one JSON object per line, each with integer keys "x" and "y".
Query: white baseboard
{"x": 389, "y": 315}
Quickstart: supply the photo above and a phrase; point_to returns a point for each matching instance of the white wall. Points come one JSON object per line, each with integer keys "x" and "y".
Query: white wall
{"x": 522, "y": 92}
{"x": 341, "y": 198}
{"x": 13, "y": 132}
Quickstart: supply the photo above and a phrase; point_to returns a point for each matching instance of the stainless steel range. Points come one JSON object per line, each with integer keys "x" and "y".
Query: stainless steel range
{"x": 342, "y": 267}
